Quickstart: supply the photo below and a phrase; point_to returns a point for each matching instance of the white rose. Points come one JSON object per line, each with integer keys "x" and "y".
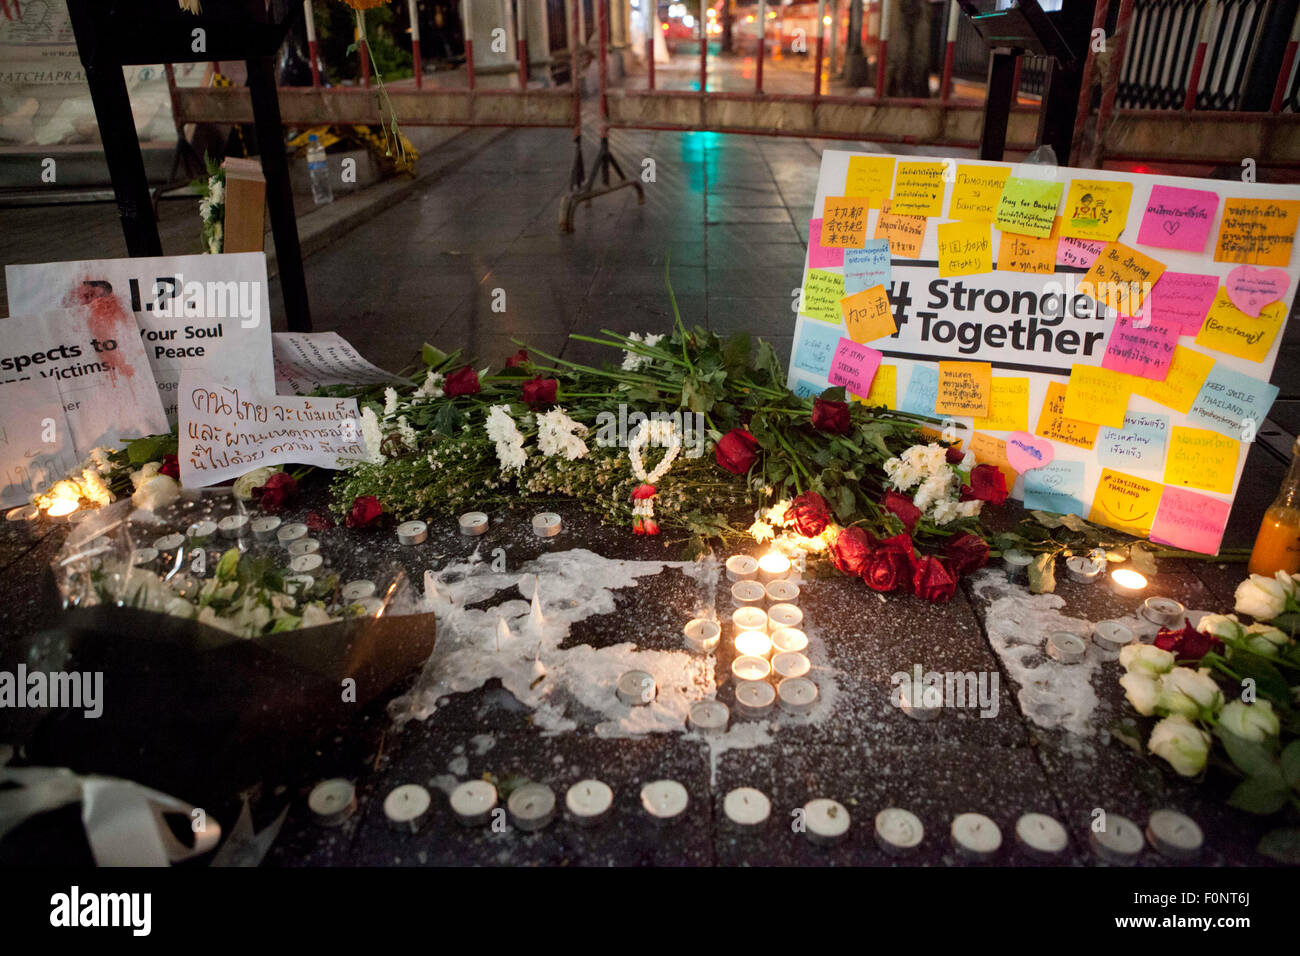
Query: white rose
{"x": 1188, "y": 692}
{"x": 1288, "y": 584}
{"x": 147, "y": 471}
{"x": 1225, "y": 627}
{"x": 313, "y": 615}
{"x": 1141, "y": 691}
{"x": 157, "y": 492}
{"x": 1265, "y": 639}
{"x": 1250, "y": 721}
{"x": 1260, "y": 597}
{"x": 256, "y": 478}
{"x": 1180, "y": 742}
{"x": 1145, "y": 659}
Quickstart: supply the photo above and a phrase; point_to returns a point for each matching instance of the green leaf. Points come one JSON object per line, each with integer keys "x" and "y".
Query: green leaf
{"x": 1268, "y": 679}
{"x": 1282, "y": 844}
{"x": 1291, "y": 764}
{"x": 433, "y": 357}
{"x": 1042, "y": 574}
{"x": 767, "y": 361}
{"x": 735, "y": 352}
{"x": 1142, "y": 559}
{"x": 1261, "y": 795}
{"x": 1046, "y": 520}
{"x": 1074, "y": 522}
{"x": 833, "y": 394}
{"x": 1251, "y": 758}
{"x": 144, "y": 449}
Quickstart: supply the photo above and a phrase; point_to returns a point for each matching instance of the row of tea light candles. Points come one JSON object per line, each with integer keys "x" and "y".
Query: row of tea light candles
{"x": 898, "y": 832}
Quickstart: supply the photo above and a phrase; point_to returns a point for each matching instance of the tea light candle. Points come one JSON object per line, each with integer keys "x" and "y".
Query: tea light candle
{"x": 1127, "y": 583}
{"x": 291, "y": 532}
{"x": 265, "y": 527}
{"x": 702, "y": 635}
{"x": 1120, "y": 841}
{"x": 664, "y": 800}
{"x": 773, "y": 567}
{"x": 754, "y": 698}
{"x": 1174, "y": 835}
{"x": 1163, "y": 611}
{"x": 750, "y": 619}
{"x": 1041, "y": 836}
{"x": 708, "y": 717}
{"x": 898, "y": 832}
{"x": 410, "y": 533}
{"x": 747, "y": 807}
{"x": 306, "y": 563}
{"x": 169, "y": 542}
{"x": 144, "y": 556}
{"x": 784, "y": 615}
{"x": 753, "y": 644}
{"x": 473, "y": 523}
{"x": 406, "y": 807}
{"x": 332, "y": 801}
{"x": 797, "y": 695}
{"x": 782, "y": 592}
{"x": 636, "y": 688}
{"x": 303, "y": 581}
{"x": 589, "y": 802}
{"x": 747, "y": 594}
{"x": 473, "y": 802}
{"x": 232, "y": 526}
{"x": 358, "y": 590}
{"x": 531, "y": 806}
{"x": 546, "y": 525}
{"x": 826, "y": 822}
{"x": 788, "y": 639}
{"x": 23, "y": 519}
{"x": 790, "y": 664}
{"x": 303, "y": 546}
{"x": 975, "y": 836}
{"x": 371, "y": 606}
{"x": 1110, "y": 636}
{"x": 201, "y": 529}
{"x": 1066, "y": 647}
{"x": 919, "y": 709}
{"x": 1017, "y": 565}
{"x": 750, "y": 667}
{"x": 741, "y": 567}
{"x": 1083, "y": 569}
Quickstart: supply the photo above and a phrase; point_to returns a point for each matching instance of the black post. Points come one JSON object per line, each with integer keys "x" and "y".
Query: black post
{"x": 279, "y": 194}
{"x": 116, "y": 129}
{"x": 997, "y": 107}
{"x": 1064, "y": 86}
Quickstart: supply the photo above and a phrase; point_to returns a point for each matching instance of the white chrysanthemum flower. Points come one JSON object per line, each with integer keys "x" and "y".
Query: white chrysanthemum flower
{"x": 205, "y": 209}
{"x": 432, "y": 387}
{"x": 558, "y": 434}
{"x": 761, "y": 531}
{"x": 216, "y": 191}
{"x": 98, "y": 460}
{"x": 147, "y": 471}
{"x": 631, "y": 360}
{"x": 94, "y": 489}
{"x": 776, "y": 514}
{"x": 372, "y": 434}
{"x": 407, "y": 433}
{"x": 935, "y": 488}
{"x": 503, "y": 432}
{"x": 390, "y": 402}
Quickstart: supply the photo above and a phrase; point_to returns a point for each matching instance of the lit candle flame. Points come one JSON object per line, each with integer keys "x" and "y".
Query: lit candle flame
{"x": 1129, "y": 579}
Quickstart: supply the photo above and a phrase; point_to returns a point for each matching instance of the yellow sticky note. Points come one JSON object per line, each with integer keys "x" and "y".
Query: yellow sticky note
{"x": 1032, "y": 254}
{"x": 844, "y": 222}
{"x": 884, "y": 388}
{"x": 1200, "y": 458}
{"x": 822, "y": 291}
{"x": 1125, "y": 502}
{"x": 870, "y": 177}
{"x": 976, "y": 191}
{"x": 1097, "y": 395}
{"x": 1258, "y": 232}
{"x": 1028, "y": 206}
{"x": 1121, "y": 277}
{"x": 1008, "y": 406}
{"x": 993, "y": 451}
{"x": 905, "y": 233}
{"x": 1228, "y": 329}
{"x": 965, "y": 248}
{"x": 964, "y": 388}
{"x": 1187, "y": 373}
{"x": 918, "y": 190}
{"x": 868, "y": 315}
{"x": 1096, "y": 209}
{"x": 1054, "y": 426}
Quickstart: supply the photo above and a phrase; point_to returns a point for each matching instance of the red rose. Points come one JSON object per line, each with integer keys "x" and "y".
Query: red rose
{"x": 987, "y": 483}
{"x": 519, "y": 358}
{"x": 966, "y": 553}
{"x": 1187, "y": 644}
{"x": 736, "y": 451}
{"x": 279, "y": 490}
{"x": 540, "y": 391}
{"x": 850, "y": 550}
{"x": 901, "y": 507}
{"x": 809, "y": 514}
{"x": 932, "y": 580}
{"x": 365, "y": 510}
{"x": 901, "y": 543}
{"x": 954, "y": 455}
{"x": 830, "y": 416}
{"x": 318, "y": 521}
{"x": 887, "y": 569}
{"x": 171, "y": 467}
{"x": 463, "y": 381}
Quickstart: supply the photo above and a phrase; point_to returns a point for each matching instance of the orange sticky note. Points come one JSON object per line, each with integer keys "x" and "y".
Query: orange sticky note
{"x": 844, "y": 222}
{"x": 976, "y": 191}
{"x": 993, "y": 451}
{"x": 918, "y": 189}
{"x": 870, "y": 178}
{"x": 1121, "y": 277}
{"x": 965, "y": 248}
{"x": 868, "y": 315}
{"x": 1008, "y": 406}
{"x": 1228, "y": 329}
{"x": 1054, "y": 426}
{"x": 1125, "y": 502}
{"x": 1187, "y": 373}
{"x": 964, "y": 388}
{"x": 905, "y": 233}
{"x": 1096, "y": 209}
{"x": 1097, "y": 395}
{"x": 884, "y": 388}
{"x": 1200, "y": 458}
{"x": 1021, "y": 253}
{"x": 1258, "y": 232}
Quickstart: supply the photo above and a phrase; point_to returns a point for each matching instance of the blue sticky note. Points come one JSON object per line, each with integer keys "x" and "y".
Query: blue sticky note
{"x": 1139, "y": 445}
{"x": 867, "y": 267}
{"x": 817, "y": 342}
{"x": 922, "y": 391}
{"x": 1228, "y": 400}
{"x": 806, "y": 389}
{"x": 1056, "y": 487}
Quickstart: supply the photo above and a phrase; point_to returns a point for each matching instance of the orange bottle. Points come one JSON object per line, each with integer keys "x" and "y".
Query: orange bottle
{"x": 1277, "y": 546}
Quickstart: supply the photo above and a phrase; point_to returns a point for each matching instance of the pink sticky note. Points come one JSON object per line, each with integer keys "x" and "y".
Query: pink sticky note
{"x": 819, "y": 257}
{"x": 1078, "y": 252}
{"x": 854, "y": 366}
{"x": 1177, "y": 218}
{"x": 1025, "y": 452}
{"x": 1191, "y": 521}
{"x": 1181, "y": 299}
{"x": 1142, "y": 348}
{"x": 1251, "y": 289}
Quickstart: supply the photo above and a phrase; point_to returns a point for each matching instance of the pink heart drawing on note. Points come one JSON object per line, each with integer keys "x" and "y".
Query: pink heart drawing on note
{"x": 1025, "y": 452}
{"x": 1251, "y": 289}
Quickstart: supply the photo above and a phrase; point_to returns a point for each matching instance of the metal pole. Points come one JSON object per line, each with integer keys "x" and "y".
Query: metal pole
{"x": 1015, "y": 80}
{"x": 364, "y": 48}
{"x": 1110, "y": 85}
{"x": 1198, "y": 60}
{"x": 469, "y": 39}
{"x": 762, "y": 43}
{"x": 602, "y": 22}
{"x": 1288, "y": 61}
{"x": 312, "y": 52}
{"x": 652, "y": 24}
{"x": 949, "y": 51}
{"x": 704, "y": 52}
{"x": 522, "y": 44}
{"x": 835, "y": 36}
{"x": 997, "y": 106}
{"x": 416, "y": 62}
{"x": 882, "y": 49}
{"x": 821, "y": 47}
{"x": 1100, "y": 12}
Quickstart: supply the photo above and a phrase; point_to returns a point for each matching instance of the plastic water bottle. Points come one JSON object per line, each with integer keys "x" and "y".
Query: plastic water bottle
{"x": 319, "y": 171}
